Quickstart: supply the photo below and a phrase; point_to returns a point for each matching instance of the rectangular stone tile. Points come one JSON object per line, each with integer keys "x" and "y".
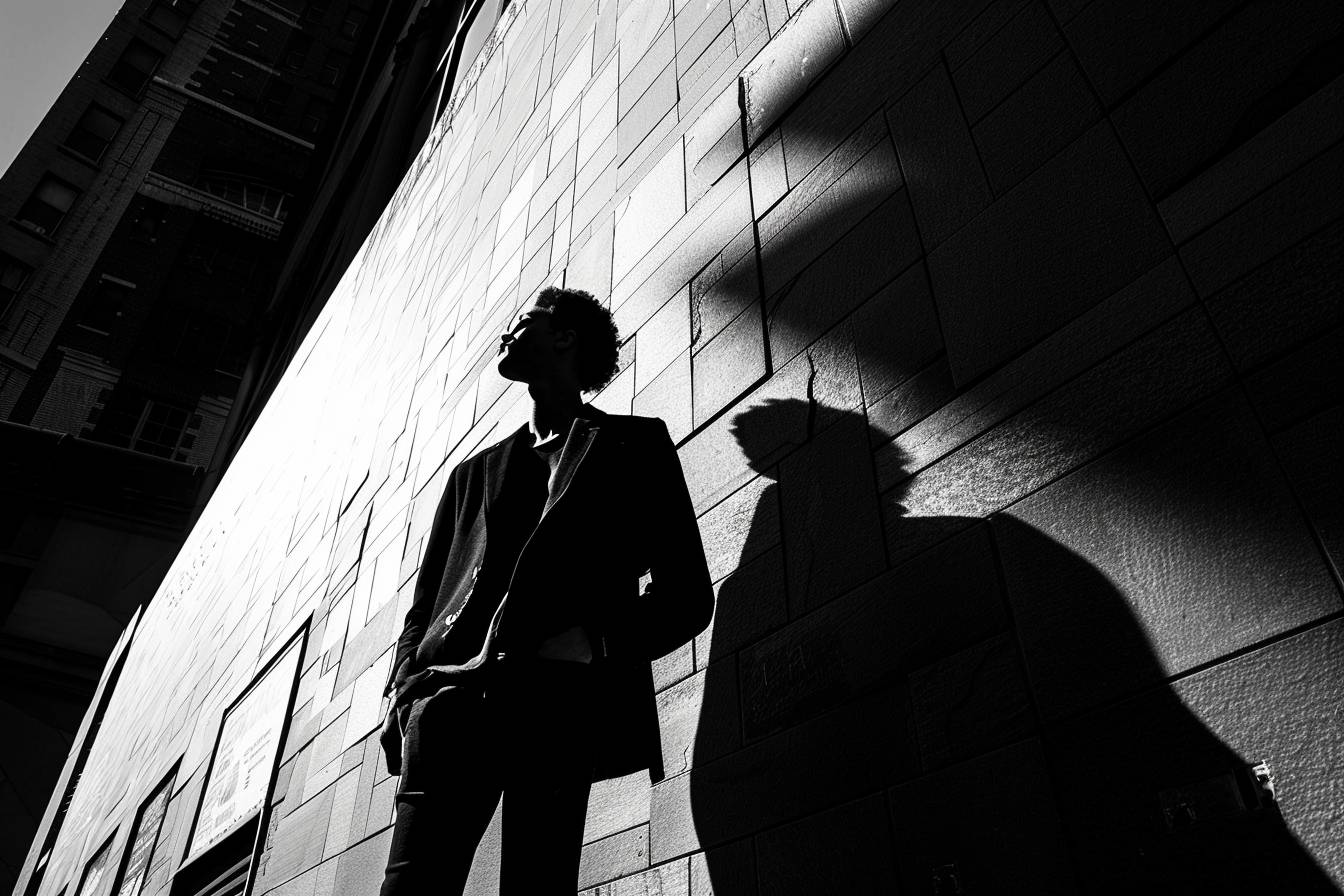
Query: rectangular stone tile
{"x": 297, "y": 841}
{"x": 713, "y": 72}
{"x": 896, "y": 333}
{"x": 697, "y": 25}
{"x": 647, "y": 115}
{"x": 617, "y": 804}
{"x": 996, "y": 15}
{"x": 925, "y": 609}
{"x": 1109, "y": 600}
{"x": 832, "y": 527}
{"x": 1195, "y": 818}
{"x": 829, "y": 759}
{"x": 615, "y": 856}
{"x": 691, "y": 244}
{"x": 360, "y": 868}
{"x": 970, "y": 703}
{"x": 769, "y": 180}
{"x": 1002, "y": 63}
{"x": 639, "y": 75}
{"x": 1122, "y": 42}
{"x": 946, "y": 182}
{"x": 1309, "y": 452}
{"x": 674, "y": 667}
{"x": 662, "y": 338}
{"x": 590, "y": 265}
{"x": 1273, "y": 221}
{"x": 713, "y": 143}
{"x": 740, "y": 527}
{"x": 865, "y": 259}
{"x": 1299, "y": 385}
{"x": 857, "y": 178}
{"x": 905, "y": 405}
{"x": 1289, "y": 299}
{"x": 987, "y": 825}
{"x": 819, "y": 385}
{"x": 725, "y": 288}
{"x": 1137, "y": 308}
{"x": 671, "y": 879}
{"x": 748, "y": 602}
{"x": 339, "y": 832}
{"x": 800, "y": 51}
{"x": 619, "y": 395}
{"x": 669, "y": 397}
{"x": 724, "y": 871}
{"x": 842, "y": 850}
{"x": 1042, "y": 117}
{"x": 1225, "y": 89}
{"x": 728, "y": 365}
{"x": 1155, "y": 377}
{"x": 649, "y": 212}
{"x": 897, "y": 53}
{"x": 1069, "y": 235}
{"x": 833, "y": 758}
{"x": 1301, "y": 134}
{"x": 700, "y": 717}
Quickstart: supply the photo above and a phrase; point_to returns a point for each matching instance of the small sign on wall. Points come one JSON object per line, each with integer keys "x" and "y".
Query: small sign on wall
{"x": 249, "y": 740}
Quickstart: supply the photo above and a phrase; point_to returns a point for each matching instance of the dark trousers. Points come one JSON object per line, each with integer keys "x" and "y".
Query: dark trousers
{"x": 524, "y": 736}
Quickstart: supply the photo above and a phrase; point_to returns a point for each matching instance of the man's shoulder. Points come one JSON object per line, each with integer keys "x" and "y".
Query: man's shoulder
{"x": 635, "y": 426}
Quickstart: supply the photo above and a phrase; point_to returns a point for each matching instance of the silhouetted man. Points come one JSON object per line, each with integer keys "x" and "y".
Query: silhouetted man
{"x": 523, "y": 667}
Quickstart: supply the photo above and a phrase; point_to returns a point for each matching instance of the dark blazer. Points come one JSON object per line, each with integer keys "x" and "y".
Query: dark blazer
{"x": 618, "y": 508}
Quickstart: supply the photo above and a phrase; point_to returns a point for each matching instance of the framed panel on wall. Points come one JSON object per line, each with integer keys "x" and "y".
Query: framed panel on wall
{"x": 224, "y": 837}
{"x": 96, "y": 878}
{"x": 144, "y": 838}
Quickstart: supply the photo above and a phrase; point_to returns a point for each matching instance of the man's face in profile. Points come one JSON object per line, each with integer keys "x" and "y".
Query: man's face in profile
{"x": 528, "y": 352}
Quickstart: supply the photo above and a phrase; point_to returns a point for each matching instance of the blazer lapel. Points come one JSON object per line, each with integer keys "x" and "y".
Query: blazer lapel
{"x": 582, "y": 434}
{"x": 497, "y": 464}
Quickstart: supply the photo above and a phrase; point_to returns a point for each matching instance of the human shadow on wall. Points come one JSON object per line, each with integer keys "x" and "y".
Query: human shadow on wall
{"x": 985, "y": 717}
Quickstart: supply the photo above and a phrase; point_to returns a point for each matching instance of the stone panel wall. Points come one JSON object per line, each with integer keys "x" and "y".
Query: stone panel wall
{"x": 995, "y": 339}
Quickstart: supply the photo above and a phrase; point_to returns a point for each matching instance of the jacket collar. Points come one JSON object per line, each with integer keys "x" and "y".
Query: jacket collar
{"x": 582, "y": 434}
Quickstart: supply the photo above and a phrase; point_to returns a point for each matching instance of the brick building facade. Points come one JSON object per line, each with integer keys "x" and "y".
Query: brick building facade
{"x": 995, "y": 338}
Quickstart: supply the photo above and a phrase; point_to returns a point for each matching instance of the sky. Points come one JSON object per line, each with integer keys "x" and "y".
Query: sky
{"x": 42, "y": 43}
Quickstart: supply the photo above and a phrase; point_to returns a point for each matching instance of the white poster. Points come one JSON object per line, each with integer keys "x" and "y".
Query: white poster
{"x": 247, "y": 748}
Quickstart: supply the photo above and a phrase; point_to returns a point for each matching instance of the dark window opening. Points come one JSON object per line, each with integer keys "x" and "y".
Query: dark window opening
{"x": 170, "y": 16}
{"x": 13, "y": 275}
{"x": 96, "y": 130}
{"x": 47, "y": 207}
{"x": 105, "y": 306}
{"x": 353, "y": 22}
{"x": 135, "y": 67}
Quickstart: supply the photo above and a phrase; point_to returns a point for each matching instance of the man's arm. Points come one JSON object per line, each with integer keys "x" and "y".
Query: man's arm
{"x": 426, "y": 585}
{"x": 679, "y": 602}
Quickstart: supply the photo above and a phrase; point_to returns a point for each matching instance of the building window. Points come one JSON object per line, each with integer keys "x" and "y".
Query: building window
{"x": 162, "y": 428}
{"x": 353, "y": 22}
{"x": 13, "y": 276}
{"x": 135, "y": 67}
{"x": 105, "y": 306}
{"x": 316, "y": 11}
{"x": 259, "y": 198}
{"x": 47, "y": 207}
{"x": 144, "y": 838}
{"x": 95, "y": 879}
{"x": 296, "y": 52}
{"x": 170, "y": 16}
{"x": 96, "y": 130}
{"x": 314, "y": 117}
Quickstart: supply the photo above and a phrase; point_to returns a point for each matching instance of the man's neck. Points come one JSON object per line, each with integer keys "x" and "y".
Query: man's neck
{"x": 553, "y": 411}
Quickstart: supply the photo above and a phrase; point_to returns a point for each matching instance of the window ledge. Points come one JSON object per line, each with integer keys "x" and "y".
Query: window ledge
{"x": 79, "y": 157}
{"x": 27, "y": 228}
